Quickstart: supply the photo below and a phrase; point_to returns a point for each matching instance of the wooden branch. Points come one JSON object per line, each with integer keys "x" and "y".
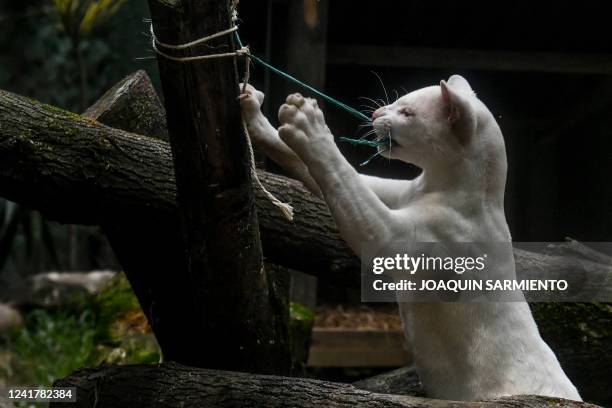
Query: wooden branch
{"x": 412, "y": 57}
{"x": 173, "y": 385}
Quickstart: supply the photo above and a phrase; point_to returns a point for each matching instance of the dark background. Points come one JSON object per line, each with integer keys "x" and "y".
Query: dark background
{"x": 556, "y": 119}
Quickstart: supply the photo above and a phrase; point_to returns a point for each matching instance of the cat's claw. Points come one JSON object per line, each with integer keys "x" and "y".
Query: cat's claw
{"x": 303, "y": 127}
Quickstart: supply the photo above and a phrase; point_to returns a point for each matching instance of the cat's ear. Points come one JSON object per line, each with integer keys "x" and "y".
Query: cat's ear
{"x": 457, "y": 107}
{"x": 456, "y": 103}
{"x": 460, "y": 84}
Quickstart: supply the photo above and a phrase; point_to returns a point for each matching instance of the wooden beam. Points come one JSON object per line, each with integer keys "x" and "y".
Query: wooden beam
{"x": 413, "y": 57}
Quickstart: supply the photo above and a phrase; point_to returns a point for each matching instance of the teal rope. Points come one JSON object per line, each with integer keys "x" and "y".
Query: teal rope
{"x": 371, "y": 143}
{"x": 285, "y": 75}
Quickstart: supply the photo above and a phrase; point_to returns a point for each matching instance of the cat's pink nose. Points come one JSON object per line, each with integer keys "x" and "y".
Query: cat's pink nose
{"x": 378, "y": 113}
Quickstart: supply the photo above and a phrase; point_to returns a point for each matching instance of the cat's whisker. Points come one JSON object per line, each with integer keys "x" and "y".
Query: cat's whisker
{"x": 368, "y": 109}
{"x": 396, "y": 95}
{"x": 371, "y": 100}
{"x": 369, "y": 159}
{"x": 383, "y": 86}
{"x": 368, "y": 134}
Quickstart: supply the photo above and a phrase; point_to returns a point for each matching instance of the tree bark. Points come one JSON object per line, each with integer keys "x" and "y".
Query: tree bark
{"x": 402, "y": 381}
{"x": 173, "y": 385}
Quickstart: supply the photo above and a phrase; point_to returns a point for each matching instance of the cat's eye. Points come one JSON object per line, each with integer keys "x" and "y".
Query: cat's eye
{"x": 406, "y": 112}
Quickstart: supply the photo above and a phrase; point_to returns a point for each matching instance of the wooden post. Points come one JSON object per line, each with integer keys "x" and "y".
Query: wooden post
{"x": 236, "y": 318}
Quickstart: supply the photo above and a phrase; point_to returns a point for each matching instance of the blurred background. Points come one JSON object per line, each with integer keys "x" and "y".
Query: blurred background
{"x": 543, "y": 68}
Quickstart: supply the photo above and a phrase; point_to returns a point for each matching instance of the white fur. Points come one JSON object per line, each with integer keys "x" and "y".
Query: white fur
{"x": 463, "y": 351}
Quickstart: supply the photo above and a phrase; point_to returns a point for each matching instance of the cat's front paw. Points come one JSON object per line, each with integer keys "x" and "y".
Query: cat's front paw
{"x": 304, "y": 129}
{"x": 250, "y": 102}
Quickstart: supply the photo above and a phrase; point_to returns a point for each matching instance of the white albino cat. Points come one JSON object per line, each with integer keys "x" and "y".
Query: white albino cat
{"x": 463, "y": 351}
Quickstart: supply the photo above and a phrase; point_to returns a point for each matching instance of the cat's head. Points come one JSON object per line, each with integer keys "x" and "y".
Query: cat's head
{"x": 434, "y": 124}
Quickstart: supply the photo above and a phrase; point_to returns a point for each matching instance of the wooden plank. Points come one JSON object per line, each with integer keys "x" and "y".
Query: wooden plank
{"x": 358, "y": 348}
{"x": 412, "y": 57}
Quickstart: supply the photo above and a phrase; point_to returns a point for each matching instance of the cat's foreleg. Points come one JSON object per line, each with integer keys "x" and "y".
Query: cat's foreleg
{"x": 360, "y": 214}
{"x": 266, "y": 138}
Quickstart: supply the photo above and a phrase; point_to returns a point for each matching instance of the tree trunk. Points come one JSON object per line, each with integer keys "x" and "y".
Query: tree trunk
{"x": 173, "y": 385}
{"x": 232, "y": 308}
{"x": 149, "y": 246}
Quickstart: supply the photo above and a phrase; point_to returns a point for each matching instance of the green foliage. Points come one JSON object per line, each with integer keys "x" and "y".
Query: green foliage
{"x": 301, "y": 322}
{"x": 112, "y": 303}
{"x": 80, "y": 17}
{"x": 301, "y": 313}
{"x": 95, "y": 331}
{"x": 50, "y": 346}
{"x": 46, "y": 69}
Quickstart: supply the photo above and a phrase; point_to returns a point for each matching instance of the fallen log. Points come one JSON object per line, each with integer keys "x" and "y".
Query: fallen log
{"x": 173, "y": 385}
{"x": 76, "y": 170}
{"x": 402, "y": 381}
